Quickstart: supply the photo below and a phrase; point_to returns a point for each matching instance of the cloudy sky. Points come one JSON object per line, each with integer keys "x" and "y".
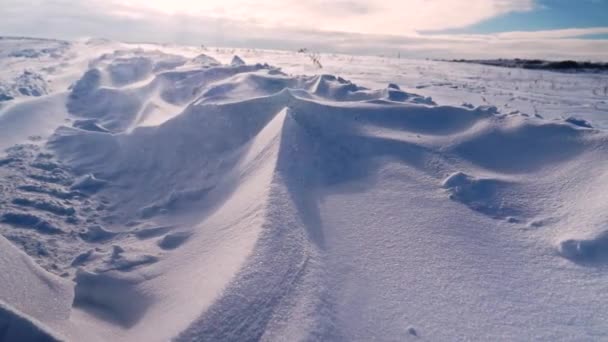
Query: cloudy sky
{"x": 416, "y": 28}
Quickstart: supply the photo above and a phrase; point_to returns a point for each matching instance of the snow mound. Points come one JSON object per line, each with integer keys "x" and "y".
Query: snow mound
{"x": 28, "y": 66}
{"x": 237, "y": 61}
{"x": 519, "y": 145}
{"x": 579, "y": 122}
{"x": 586, "y": 251}
{"x": 123, "y": 71}
{"x": 205, "y": 60}
{"x": 483, "y": 195}
{"x": 88, "y": 183}
{"x": 111, "y": 297}
{"x": 27, "y": 83}
{"x": 189, "y": 200}
{"x": 173, "y": 240}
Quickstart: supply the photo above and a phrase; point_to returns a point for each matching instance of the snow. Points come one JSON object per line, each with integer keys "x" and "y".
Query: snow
{"x": 29, "y": 297}
{"x": 177, "y": 193}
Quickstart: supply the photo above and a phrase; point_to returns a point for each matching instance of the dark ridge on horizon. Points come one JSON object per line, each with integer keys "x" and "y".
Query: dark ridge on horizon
{"x": 539, "y": 64}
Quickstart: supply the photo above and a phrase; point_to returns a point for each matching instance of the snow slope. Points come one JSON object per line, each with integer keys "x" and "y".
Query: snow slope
{"x": 180, "y": 198}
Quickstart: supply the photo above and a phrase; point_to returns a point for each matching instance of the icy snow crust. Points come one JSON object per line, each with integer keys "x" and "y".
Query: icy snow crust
{"x": 166, "y": 195}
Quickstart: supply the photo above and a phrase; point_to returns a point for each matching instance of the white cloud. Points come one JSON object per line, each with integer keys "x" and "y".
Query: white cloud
{"x": 360, "y": 16}
{"x": 71, "y": 19}
{"x": 554, "y": 34}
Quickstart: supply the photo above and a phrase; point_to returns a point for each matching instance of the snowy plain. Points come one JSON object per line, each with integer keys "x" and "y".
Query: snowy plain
{"x": 160, "y": 192}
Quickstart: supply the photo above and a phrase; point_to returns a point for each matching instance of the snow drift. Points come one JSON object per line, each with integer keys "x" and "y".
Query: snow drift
{"x": 191, "y": 200}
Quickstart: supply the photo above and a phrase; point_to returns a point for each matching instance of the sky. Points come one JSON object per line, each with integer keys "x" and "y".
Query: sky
{"x": 552, "y": 29}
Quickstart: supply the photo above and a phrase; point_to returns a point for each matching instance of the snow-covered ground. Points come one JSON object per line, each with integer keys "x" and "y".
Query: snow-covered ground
{"x": 162, "y": 193}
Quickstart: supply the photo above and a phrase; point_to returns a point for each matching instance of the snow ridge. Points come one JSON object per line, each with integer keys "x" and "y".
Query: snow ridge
{"x": 190, "y": 200}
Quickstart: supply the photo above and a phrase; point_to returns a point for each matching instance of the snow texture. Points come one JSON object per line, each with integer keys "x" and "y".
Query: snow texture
{"x": 160, "y": 192}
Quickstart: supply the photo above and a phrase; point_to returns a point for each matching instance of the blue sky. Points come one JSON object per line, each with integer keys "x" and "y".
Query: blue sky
{"x": 553, "y": 29}
{"x": 546, "y": 15}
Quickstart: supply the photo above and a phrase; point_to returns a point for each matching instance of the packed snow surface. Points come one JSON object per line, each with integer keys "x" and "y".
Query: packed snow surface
{"x": 156, "y": 192}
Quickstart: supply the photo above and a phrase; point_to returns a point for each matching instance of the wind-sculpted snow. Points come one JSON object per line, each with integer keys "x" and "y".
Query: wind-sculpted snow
{"x": 191, "y": 200}
{"x": 15, "y": 327}
{"x": 27, "y": 82}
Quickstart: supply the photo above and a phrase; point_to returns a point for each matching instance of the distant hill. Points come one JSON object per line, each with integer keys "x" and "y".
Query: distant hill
{"x": 562, "y": 66}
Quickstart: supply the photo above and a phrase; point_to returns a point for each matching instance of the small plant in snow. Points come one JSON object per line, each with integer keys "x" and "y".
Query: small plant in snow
{"x": 315, "y": 58}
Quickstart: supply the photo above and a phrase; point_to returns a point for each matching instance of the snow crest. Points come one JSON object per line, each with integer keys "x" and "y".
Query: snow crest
{"x": 192, "y": 200}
